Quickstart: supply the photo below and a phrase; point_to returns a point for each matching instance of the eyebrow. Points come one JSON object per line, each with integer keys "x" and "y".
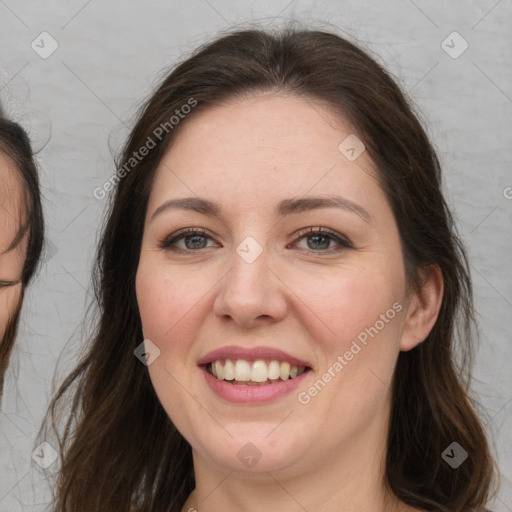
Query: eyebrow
{"x": 283, "y": 208}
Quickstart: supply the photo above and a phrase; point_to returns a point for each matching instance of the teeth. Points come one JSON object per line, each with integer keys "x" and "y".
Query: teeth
{"x": 273, "y": 370}
{"x": 218, "y": 370}
{"x": 284, "y": 371}
{"x": 257, "y": 372}
{"x": 242, "y": 370}
{"x": 229, "y": 370}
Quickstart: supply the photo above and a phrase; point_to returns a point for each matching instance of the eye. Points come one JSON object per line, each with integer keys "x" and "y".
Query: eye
{"x": 190, "y": 239}
{"x": 319, "y": 240}
{"x": 6, "y": 284}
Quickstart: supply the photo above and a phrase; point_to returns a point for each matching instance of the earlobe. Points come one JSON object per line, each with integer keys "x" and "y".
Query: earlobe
{"x": 423, "y": 308}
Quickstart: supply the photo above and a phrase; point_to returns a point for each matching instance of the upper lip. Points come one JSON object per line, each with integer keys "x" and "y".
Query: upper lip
{"x": 251, "y": 354}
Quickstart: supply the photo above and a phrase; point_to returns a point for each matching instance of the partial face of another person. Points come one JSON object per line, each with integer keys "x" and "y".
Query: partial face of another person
{"x": 12, "y": 259}
{"x": 266, "y": 280}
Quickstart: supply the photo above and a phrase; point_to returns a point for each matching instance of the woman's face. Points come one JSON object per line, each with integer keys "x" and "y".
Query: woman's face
{"x": 259, "y": 291}
{"x": 11, "y": 260}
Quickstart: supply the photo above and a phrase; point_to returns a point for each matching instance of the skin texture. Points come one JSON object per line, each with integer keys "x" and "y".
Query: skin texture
{"x": 298, "y": 296}
{"x": 11, "y": 261}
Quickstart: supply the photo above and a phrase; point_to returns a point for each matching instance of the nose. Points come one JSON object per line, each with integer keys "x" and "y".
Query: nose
{"x": 251, "y": 293}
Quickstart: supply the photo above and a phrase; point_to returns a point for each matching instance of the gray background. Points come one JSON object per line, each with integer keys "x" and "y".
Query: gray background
{"x": 78, "y": 105}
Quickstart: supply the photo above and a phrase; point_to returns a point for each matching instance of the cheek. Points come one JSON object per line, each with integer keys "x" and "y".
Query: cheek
{"x": 342, "y": 304}
{"x": 168, "y": 306}
{"x": 158, "y": 301}
{"x": 356, "y": 329}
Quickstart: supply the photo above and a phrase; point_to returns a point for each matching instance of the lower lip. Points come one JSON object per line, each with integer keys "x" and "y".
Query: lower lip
{"x": 252, "y": 394}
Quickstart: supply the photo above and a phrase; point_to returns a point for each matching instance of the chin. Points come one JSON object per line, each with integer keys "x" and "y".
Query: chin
{"x": 253, "y": 448}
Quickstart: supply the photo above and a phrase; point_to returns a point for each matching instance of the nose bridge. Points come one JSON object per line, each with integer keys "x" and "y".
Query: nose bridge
{"x": 249, "y": 271}
{"x": 250, "y": 289}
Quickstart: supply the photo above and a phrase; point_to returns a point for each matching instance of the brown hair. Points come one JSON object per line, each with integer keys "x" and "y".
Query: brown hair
{"x": 15, "y": 144}
{"x": 119, "y": 449}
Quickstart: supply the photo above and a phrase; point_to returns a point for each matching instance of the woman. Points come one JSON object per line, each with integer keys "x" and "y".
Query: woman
{"x": 21, "y": 230}
{"x": 279, "y": 240}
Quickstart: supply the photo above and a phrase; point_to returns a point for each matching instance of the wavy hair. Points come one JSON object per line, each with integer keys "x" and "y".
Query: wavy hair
{"x": 119, "y": 450}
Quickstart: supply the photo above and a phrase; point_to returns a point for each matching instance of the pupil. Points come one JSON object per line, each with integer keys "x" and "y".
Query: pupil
{"x": 194, "y": 239}
{"x": 325, "y": 245}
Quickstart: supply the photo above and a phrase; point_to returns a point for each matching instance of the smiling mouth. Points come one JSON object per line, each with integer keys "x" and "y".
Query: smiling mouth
{"x": 241, "y": 372}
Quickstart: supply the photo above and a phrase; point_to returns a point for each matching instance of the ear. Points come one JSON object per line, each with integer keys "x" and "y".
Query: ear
{"x": 423, "y": 308}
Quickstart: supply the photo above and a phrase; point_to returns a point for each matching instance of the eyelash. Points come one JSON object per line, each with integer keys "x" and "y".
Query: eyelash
{"x": 344, "y": 243}
{"x": 6, "y": 284}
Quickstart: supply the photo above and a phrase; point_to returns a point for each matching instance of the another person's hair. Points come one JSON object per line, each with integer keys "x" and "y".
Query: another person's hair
{"x": 15, "y": 145}
{"x": 119, "y": 449}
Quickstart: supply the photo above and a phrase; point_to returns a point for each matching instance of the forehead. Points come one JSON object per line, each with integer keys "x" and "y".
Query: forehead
{"x": 12, "y": 211}
{"x": 304, "y": 126}
{"x": 262, "y": 145}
